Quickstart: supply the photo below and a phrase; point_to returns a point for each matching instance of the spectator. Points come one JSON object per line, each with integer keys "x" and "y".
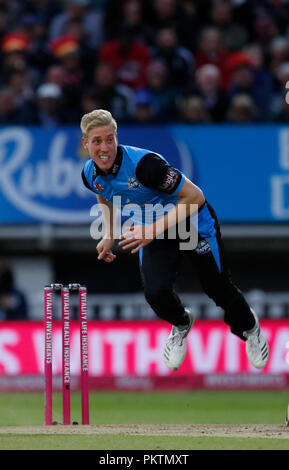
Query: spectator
{"x": 281, "y": 88}
{"x": 129, "y": 57}
{"x": 20, "y": 86}
{"x": 90, "y": 100}
{"x": 178, "y": 14}
{"x": 10, "y": 112}
{"x": 132, "y": 13}
{"x": 221, "y": 16}
{"x": 118, "y": 13}
{"x": 178, "y": 60}
{"x": 144, "y": 113}
{"x": 181, "y": 15}
{"x": 13, "y": 305}
{"x": 75, "y": 29}
{"x": 256, "y": 57}
{"x": 15, "y": 49}
{"x": 212, "y": 51}
{"x": 79, "y": 10}
{"x": 242, "y": 78}
{"x": 244, "y": 12}
{"x": 278, "y": 53}
{"x": 265, "y": 30}
{"x": 246, "y": 41}
{"x": 163, "y": 14}
{"x": 234, "y": 61}
{"x": 35, "y": 28}
{"x": 48, "y": 9}
{"x": 10, "y": 12}
{"x": 55, "y": 74}
{"x": 244, "y": 82}
{"x": 50, "y": 111}
{"x": 15, "y": 42}
{"x": 193, "y": 111}
{"x": 163, "y": 94}
{"x": 242, "y": 110}
{"x": 280, "y": 12}
{"x": 188, "y": 26}
{"x": 68, "y": 54}
{"x": 208, "y": 81}
{"x": 117, "y": 98}
{"x": 282, "y": 116}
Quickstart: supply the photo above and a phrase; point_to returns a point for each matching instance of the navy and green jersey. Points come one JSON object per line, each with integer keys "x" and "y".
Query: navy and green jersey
{"x": 144, "y": 181}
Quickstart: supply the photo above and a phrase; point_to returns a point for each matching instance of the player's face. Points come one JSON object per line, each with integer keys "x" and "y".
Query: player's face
{"x": 101, "y": 144}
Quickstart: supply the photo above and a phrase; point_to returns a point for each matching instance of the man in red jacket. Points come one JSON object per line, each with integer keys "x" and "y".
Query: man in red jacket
{"x": 129, "y": 57}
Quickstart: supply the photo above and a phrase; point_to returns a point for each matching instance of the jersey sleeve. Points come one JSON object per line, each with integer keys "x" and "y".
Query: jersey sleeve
{"x": 154, "y": 172}
{"x": 85, "y": 182}
{"x": 87, "y": 175}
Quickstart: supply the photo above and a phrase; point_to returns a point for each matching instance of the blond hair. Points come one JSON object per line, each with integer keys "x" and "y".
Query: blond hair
{"x": 96, "y": 118}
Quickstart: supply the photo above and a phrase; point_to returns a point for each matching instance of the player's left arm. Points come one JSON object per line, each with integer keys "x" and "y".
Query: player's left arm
{"x": 191, "y": 198}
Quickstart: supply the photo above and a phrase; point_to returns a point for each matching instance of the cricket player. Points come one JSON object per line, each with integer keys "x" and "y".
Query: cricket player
{"x": 145, "y": 179}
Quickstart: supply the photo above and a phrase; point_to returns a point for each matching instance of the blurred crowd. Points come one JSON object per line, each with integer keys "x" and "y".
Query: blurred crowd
{"x": 147, "y": 61}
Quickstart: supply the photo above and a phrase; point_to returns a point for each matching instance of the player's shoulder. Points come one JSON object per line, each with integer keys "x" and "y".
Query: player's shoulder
{"x": 88, "y": 166}
{"x": 132, "y": 151}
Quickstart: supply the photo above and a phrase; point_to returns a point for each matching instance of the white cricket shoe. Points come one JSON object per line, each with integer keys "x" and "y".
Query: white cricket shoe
{"x": 257, "y": 348}
{"x": 176, "y": 344}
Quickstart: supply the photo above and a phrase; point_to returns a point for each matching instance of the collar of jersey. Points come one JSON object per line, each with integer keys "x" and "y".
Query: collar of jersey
{"x": 115, "y": 167}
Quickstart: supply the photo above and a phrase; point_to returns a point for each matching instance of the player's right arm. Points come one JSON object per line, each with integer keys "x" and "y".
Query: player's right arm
{"x": 105, "y": 245}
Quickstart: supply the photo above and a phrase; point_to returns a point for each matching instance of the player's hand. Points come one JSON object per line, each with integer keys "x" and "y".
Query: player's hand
{"x": 137, "y": 237}
{"x": 104, "y": 250}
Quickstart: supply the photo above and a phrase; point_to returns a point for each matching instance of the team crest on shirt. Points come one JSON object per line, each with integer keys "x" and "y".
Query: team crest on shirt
{"x": 203, "y": 247}
{"x": 132, "y": 183}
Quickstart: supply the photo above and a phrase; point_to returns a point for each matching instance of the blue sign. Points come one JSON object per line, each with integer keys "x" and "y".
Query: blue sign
{"x": 40, "y": 176}
{"x": 242, "y": 170}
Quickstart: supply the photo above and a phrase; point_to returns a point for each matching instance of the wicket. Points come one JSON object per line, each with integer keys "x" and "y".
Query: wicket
{"x": 65, "y": 322}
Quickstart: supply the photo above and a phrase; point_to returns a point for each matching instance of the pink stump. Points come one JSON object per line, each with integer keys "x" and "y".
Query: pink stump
{"x": 84, "y": 354}
{"x": 65, "y": 310}
{"x": 48, "y": 354}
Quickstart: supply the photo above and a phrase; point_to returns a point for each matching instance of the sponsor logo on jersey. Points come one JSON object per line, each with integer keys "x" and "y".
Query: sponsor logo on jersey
{"x": 170, "y": 179}
{"x": 132, "y": 183}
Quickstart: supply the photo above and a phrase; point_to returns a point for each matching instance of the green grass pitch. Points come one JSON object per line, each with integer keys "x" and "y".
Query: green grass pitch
{"x": 147, "y": 408}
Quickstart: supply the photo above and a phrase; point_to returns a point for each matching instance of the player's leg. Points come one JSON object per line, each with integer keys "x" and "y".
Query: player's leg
{"x": 209, "y": 259}
{"x": 159, "y": 262}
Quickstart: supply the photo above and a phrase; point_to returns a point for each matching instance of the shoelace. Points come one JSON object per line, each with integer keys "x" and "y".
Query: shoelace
{"x": 255, "y": 340}
{"x": 177, "y": 337}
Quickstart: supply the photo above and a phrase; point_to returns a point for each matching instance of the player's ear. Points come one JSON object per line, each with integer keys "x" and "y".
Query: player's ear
{"x": 84, "y": 143}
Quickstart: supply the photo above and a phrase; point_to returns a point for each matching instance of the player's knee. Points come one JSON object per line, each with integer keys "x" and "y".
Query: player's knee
{"x": 236, "y": 307}
{"x": 224, "y": 294}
